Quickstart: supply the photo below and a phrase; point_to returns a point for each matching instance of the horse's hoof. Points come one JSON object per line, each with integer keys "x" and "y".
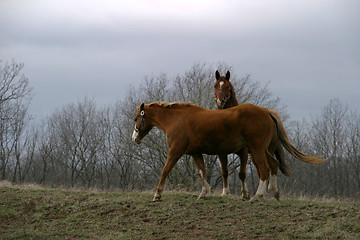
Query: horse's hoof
{"x": 201, "y": 196}
{"x": 257, "y": 198}
{"x": 156, "y": 198}
{"x": 245, "y": 197}
{"x": 277, "y": 196}
{"x": 225, "y": 192}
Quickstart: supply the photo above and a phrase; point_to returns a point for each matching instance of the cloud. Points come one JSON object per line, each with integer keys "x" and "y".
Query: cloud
{"x": 86, "y": 45}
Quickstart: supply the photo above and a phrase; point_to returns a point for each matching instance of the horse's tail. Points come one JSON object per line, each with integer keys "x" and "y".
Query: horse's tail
{"x": 280, "y": 156}
{"x": 287, "y": 144}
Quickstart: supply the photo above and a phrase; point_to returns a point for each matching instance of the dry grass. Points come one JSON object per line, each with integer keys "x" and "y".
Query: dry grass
{"x": 34, "y": 212}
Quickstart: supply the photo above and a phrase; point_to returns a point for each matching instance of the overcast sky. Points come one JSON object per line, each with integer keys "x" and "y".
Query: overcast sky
{"x": 308, "y": 50}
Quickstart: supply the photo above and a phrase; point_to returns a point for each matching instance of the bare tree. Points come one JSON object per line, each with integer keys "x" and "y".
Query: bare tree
{"x": 14, "y": 85}
{"x": 15, "y": 96}
{"x": 83, "y": 145}
{"x": 352, "y": 178}
{"x": 334, "y": 135}
{"x": 75, "y": 142}
{"x": 330, "y": 139}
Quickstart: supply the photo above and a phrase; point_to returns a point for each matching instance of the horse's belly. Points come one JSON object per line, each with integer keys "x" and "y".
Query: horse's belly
{"x": 216, "y": 148}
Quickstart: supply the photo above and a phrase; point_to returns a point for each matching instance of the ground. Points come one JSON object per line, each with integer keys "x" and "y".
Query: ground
{"x": 33, "y": 212}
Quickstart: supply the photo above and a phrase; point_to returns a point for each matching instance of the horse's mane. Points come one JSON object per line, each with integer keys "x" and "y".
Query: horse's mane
{"x": 171, "y": 104}
{"x": 233, "y": 94}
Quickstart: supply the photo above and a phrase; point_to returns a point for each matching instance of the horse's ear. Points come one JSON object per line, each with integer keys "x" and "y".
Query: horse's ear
{"x": 142, "y": 107}
{"x": 217, "y": 75}
{"x": 227, "y": 76}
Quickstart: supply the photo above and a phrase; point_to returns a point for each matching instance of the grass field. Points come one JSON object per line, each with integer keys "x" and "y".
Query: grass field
{"x": 32, "y": 212}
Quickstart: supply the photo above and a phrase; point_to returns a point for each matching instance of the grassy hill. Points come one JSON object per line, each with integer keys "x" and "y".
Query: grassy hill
{"x": 32, "y": 212}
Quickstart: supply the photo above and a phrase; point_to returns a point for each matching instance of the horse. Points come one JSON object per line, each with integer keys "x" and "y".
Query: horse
{"x": 225, "y": 97}
{"x": 195, "y": 131}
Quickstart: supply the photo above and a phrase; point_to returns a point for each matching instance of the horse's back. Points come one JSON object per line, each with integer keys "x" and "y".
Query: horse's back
{"x": 246, "y": 113}
{"x": 226, "y": 130}
{"x": 254, "y": 123}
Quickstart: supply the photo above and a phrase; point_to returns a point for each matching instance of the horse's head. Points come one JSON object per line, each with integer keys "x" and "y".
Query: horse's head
{"x": 142, "y": 127}
{"x": 223, "y": 89}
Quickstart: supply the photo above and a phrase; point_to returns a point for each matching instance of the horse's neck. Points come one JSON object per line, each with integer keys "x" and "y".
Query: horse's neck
{"x": 163, "y": 117}
{"x": 232, "y": 102}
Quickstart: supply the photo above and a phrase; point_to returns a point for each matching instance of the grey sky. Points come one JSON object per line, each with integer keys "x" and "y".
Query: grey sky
{"x": 308, "y": 50}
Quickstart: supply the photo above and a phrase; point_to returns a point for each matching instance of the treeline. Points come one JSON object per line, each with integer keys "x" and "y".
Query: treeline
{"x": 84, "y": 145}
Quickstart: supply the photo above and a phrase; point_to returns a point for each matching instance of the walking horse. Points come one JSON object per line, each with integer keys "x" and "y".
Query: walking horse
{"x": 225, "y": 97}
{"x": 193, "y": 130}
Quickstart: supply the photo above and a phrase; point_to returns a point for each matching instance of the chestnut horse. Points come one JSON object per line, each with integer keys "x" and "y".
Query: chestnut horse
{"x": 225, "y": 97}
{"x": 193, "y": 130}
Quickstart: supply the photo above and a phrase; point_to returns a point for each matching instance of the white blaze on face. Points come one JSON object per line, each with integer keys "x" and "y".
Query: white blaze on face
{"x": 218, "y": 101}
{"x": 221, "y": 83}
{"x": 135, "y": 134}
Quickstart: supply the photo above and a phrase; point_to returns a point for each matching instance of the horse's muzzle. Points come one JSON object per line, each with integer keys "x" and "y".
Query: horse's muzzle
{"x": 135, "y": 136}
{"x": 219, "y": 103}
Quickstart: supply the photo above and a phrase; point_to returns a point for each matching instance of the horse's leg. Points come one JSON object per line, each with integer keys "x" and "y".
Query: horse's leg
{"x": 224, "y": 173}
{"x": 200, "y": 164}
{"x": 259, "y": 158}
{"x": 171, "y": 160}
{"x": 273, "y": 164}
{"x": 273, "y": 186}
{"x": 243, "y": 155}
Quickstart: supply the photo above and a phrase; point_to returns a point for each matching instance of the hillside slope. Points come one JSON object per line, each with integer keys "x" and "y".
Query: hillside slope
{"x": 39, "y": 213}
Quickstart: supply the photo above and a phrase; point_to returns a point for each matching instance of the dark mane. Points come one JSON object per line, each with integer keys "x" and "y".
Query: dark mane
{"x": 233, "y": 94}
{"x": 172, "y": 104}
